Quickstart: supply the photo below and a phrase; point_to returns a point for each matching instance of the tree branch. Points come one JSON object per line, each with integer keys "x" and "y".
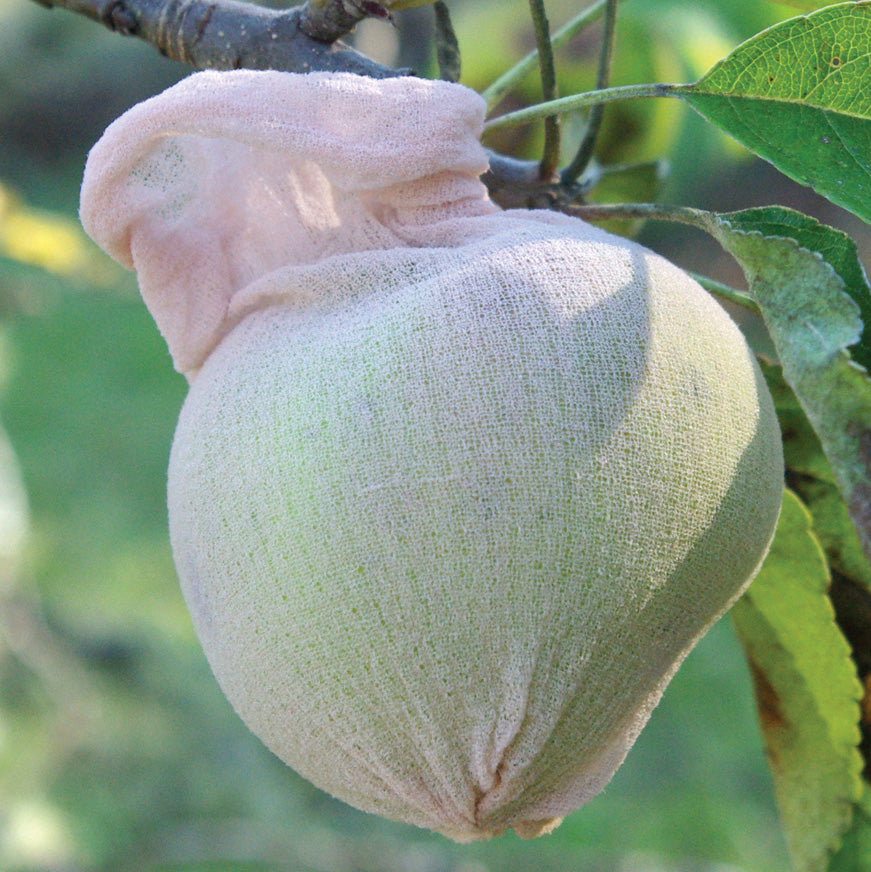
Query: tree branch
{"x": 594, "y": 121}
{"x": 228, "y": 35}
{"x": 551, "y": 154}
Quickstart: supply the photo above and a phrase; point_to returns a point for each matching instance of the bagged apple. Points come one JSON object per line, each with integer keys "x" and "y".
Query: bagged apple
{"x": 454, "y": 490}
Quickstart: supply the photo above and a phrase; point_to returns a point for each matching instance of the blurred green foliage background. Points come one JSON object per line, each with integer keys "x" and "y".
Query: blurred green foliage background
{"x": 117, "y": 750}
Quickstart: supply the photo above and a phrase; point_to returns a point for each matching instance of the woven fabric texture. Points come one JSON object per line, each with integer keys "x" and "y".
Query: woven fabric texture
{"x": 454, "y": 490}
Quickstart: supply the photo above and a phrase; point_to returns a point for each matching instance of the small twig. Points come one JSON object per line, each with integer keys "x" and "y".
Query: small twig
{"x": 447, "y": 46}
{"x": 584, "y": 101}
{"x": 647, "y": 211}
{"x": 594, "y": 121}
{"x": 496, "y": 91}
{"x": 550, "y": 157}
{"x": 727, "y": 292}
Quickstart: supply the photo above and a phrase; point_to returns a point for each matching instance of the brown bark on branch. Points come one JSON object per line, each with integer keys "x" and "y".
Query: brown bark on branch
{"x": 227, "y": 35}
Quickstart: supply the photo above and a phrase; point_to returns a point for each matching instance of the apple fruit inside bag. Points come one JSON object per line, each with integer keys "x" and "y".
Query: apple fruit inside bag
{"x": 454, "y": 490}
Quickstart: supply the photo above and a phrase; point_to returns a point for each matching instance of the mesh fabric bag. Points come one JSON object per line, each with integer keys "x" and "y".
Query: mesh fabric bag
{"x": 454, "y": 490}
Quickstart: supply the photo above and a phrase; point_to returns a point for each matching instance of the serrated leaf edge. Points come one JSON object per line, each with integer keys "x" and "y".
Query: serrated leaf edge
{"x": 849, "y": 752}
{"x": 857, "y": 312}
{"x": 849, "y": 747}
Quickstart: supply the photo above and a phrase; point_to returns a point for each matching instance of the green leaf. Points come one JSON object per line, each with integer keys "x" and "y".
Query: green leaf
{"x": 797, "y": 94}
{"x": 833, "y": 246}
{"x": 806, "y": 688}
{"x": 809, "y": 475}
{"x": 812, "y": 322}
{"x": 806, "y": 5}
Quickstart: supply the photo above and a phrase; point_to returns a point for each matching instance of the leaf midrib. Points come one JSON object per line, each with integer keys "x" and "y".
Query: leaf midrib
{"x": 689, "y": 91}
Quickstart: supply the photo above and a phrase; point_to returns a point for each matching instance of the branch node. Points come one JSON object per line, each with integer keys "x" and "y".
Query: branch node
{"x": 118, "y": 17}
{"x": 330, "y": 20}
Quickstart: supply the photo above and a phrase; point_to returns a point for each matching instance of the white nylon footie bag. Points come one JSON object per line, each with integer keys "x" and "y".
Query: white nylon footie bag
{"x": 454, "y": 490}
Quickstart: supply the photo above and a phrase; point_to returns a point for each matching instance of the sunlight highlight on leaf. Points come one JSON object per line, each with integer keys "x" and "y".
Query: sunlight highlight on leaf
{"x": 797, "y": 94}
{"x": 54, "y": 242}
